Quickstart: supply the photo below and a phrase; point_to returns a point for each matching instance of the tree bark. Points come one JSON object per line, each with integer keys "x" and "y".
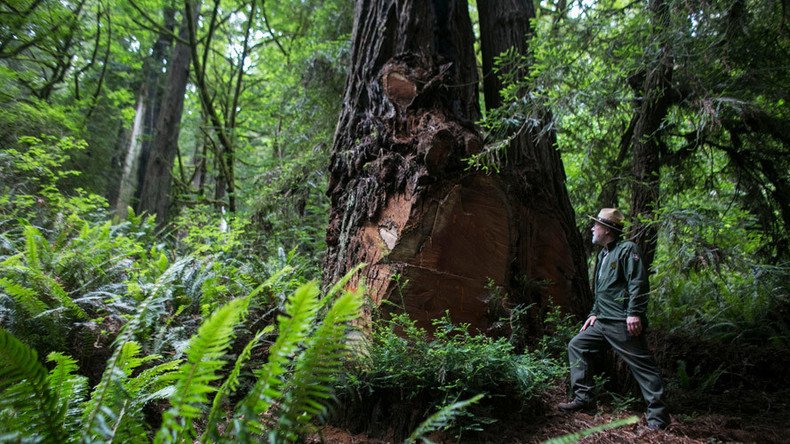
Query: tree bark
{"x": 435, "y": 236}
{"x": 549, "y": 251}
{"x": 155, "y": 196}
{"x": 655, "y": 102}
{"x": 149, "y": 98}
{"x": 400, "y": 199}
{"x": 504, "y": 24}
{"x": 153, "y": 90}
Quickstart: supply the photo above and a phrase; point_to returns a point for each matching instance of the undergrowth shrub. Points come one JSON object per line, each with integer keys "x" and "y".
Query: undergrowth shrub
{"x": 401, "y": 374}
{"x": 709, "y": 280}
{"x": 70, "y": 278}
{"x": 449, "y": 364}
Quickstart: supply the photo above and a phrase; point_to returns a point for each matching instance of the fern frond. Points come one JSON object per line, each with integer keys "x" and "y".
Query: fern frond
{"x": 341, "y": 283}
{"x": 269, "y": 282}
{"x": 106, "y": 409}
{"x": 575, "y": 437}
{"x": 441, "y": 419}
{"x": 61, "y": 295}
{"x": 300, "y": 310}
{"x": 31, "y": 248}
{"x": 193, "y": 381}
{"x": 33, "y": 243}
{"x": 70, "y": 389}
{"x": 25, "y": 389}
{"x": 151, "y": 382}
{"x": 104, "y": 406}
{"x": 228, "y": 387}
{"x": 25, "y": 297}
{"x": 316, "y": 367}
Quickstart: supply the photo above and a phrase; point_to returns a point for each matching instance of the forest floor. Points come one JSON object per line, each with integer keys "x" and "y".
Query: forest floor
{"x": 735, "y": 417}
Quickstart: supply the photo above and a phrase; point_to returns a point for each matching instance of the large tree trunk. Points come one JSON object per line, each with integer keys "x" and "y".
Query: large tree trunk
{"x": 549, "y": 250}
{"x": 152, "y": 93}
{"x": 655, "y": 102}
{"x": 155, "y": 195}
{"x": 149, "y": 98}
{"x": 435, "y": 236}
{"x": 134, "y": 143}
{"x": 504, "y": 24}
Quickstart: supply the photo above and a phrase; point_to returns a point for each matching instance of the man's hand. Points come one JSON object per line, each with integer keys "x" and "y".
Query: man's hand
{"x": 588, "y": 323}
{"x": 634, "y": 324}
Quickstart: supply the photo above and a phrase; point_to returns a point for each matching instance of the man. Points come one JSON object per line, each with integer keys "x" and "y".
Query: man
{"x": 617, "y": 320}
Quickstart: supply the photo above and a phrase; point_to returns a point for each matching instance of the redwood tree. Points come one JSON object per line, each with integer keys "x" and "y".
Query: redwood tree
{"x": 435, "y": 235}
{"x": 653, "y": 106}
{"x": 549, "y": 251}
{"x": 155, "y": 194}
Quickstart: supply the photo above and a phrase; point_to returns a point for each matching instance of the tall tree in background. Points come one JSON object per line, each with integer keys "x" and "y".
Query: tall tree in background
{"x": 549, "y": 249}
{"x": 155, "y": 195}
{"x": 655, "y": 98}
{"x": 432, "y": 232}
{"x": 222, "y": 109}
{"x": 149, "y": 99}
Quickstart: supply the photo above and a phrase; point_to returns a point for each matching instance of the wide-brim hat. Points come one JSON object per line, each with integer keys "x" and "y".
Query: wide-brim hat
{"x": 611, "y": 218}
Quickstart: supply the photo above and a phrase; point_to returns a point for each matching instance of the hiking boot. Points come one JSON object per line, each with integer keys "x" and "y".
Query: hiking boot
{"x": 577, "y": 405}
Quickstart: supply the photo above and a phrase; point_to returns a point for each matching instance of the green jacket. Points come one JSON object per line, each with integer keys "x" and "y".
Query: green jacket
{"x": 621, "y": 284}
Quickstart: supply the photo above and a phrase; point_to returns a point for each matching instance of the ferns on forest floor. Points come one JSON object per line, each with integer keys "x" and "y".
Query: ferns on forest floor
{"x": 291, "y": 388}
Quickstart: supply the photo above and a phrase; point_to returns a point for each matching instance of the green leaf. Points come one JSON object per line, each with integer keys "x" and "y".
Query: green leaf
{"x": 25, "y": 390}
{"x": 193, "y": 380}
{"x": 322, "y": 358}
{"x": 24, "y": 296}
{"x": 576, "y": 437}
{"x": 441, "y": 419}
{"x": 300, "y": 310}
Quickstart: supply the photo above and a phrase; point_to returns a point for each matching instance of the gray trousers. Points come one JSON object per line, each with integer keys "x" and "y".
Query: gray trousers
{"x": 632, "y": 349}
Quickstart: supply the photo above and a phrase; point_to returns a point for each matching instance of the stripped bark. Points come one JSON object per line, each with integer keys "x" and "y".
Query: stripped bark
{"x": 549, "y": 252}
{"x": 436, "y": 237}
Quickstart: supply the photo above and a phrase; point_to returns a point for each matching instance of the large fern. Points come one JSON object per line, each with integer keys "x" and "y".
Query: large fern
{"x": 194, "y": 379}
{"x": 310, "y": 385}
{"x": 228, "y": 387}
{"x": 293, "y": 326}
{"x": 25, "y": 297}
{"x": 440, "y": 420}
{"x": 106, "y": 403}
{"x": 106, "y": 411}
{"x": 34, "y": 243}
{"x": 37, "y": 413}
{"x": 70, "y": 390}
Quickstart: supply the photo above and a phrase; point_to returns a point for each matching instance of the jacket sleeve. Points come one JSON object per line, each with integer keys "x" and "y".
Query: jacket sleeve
{"x": 636, "y": 278}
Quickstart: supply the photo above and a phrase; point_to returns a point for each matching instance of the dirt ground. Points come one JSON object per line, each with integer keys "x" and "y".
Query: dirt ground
{"x": 746, "y": 417}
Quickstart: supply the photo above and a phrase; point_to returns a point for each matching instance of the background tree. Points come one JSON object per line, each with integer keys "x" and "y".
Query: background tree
{"x": 138, "y": 136}
{"x": 155, "y": 196}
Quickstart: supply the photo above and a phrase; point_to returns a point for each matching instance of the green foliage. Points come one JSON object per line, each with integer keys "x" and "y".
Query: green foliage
{"x": 696, "y": 382}
{"x": 450, "y": 364}
{"x": 293, "y": 385}
{"x": 30, "y": 181}
{"x": 722, "y": 292}
{"x": 577, "y": 436}
{"x": 440, "y": 420}
{"x": 195, "y": 377}
{"x": 28, "y": 405}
